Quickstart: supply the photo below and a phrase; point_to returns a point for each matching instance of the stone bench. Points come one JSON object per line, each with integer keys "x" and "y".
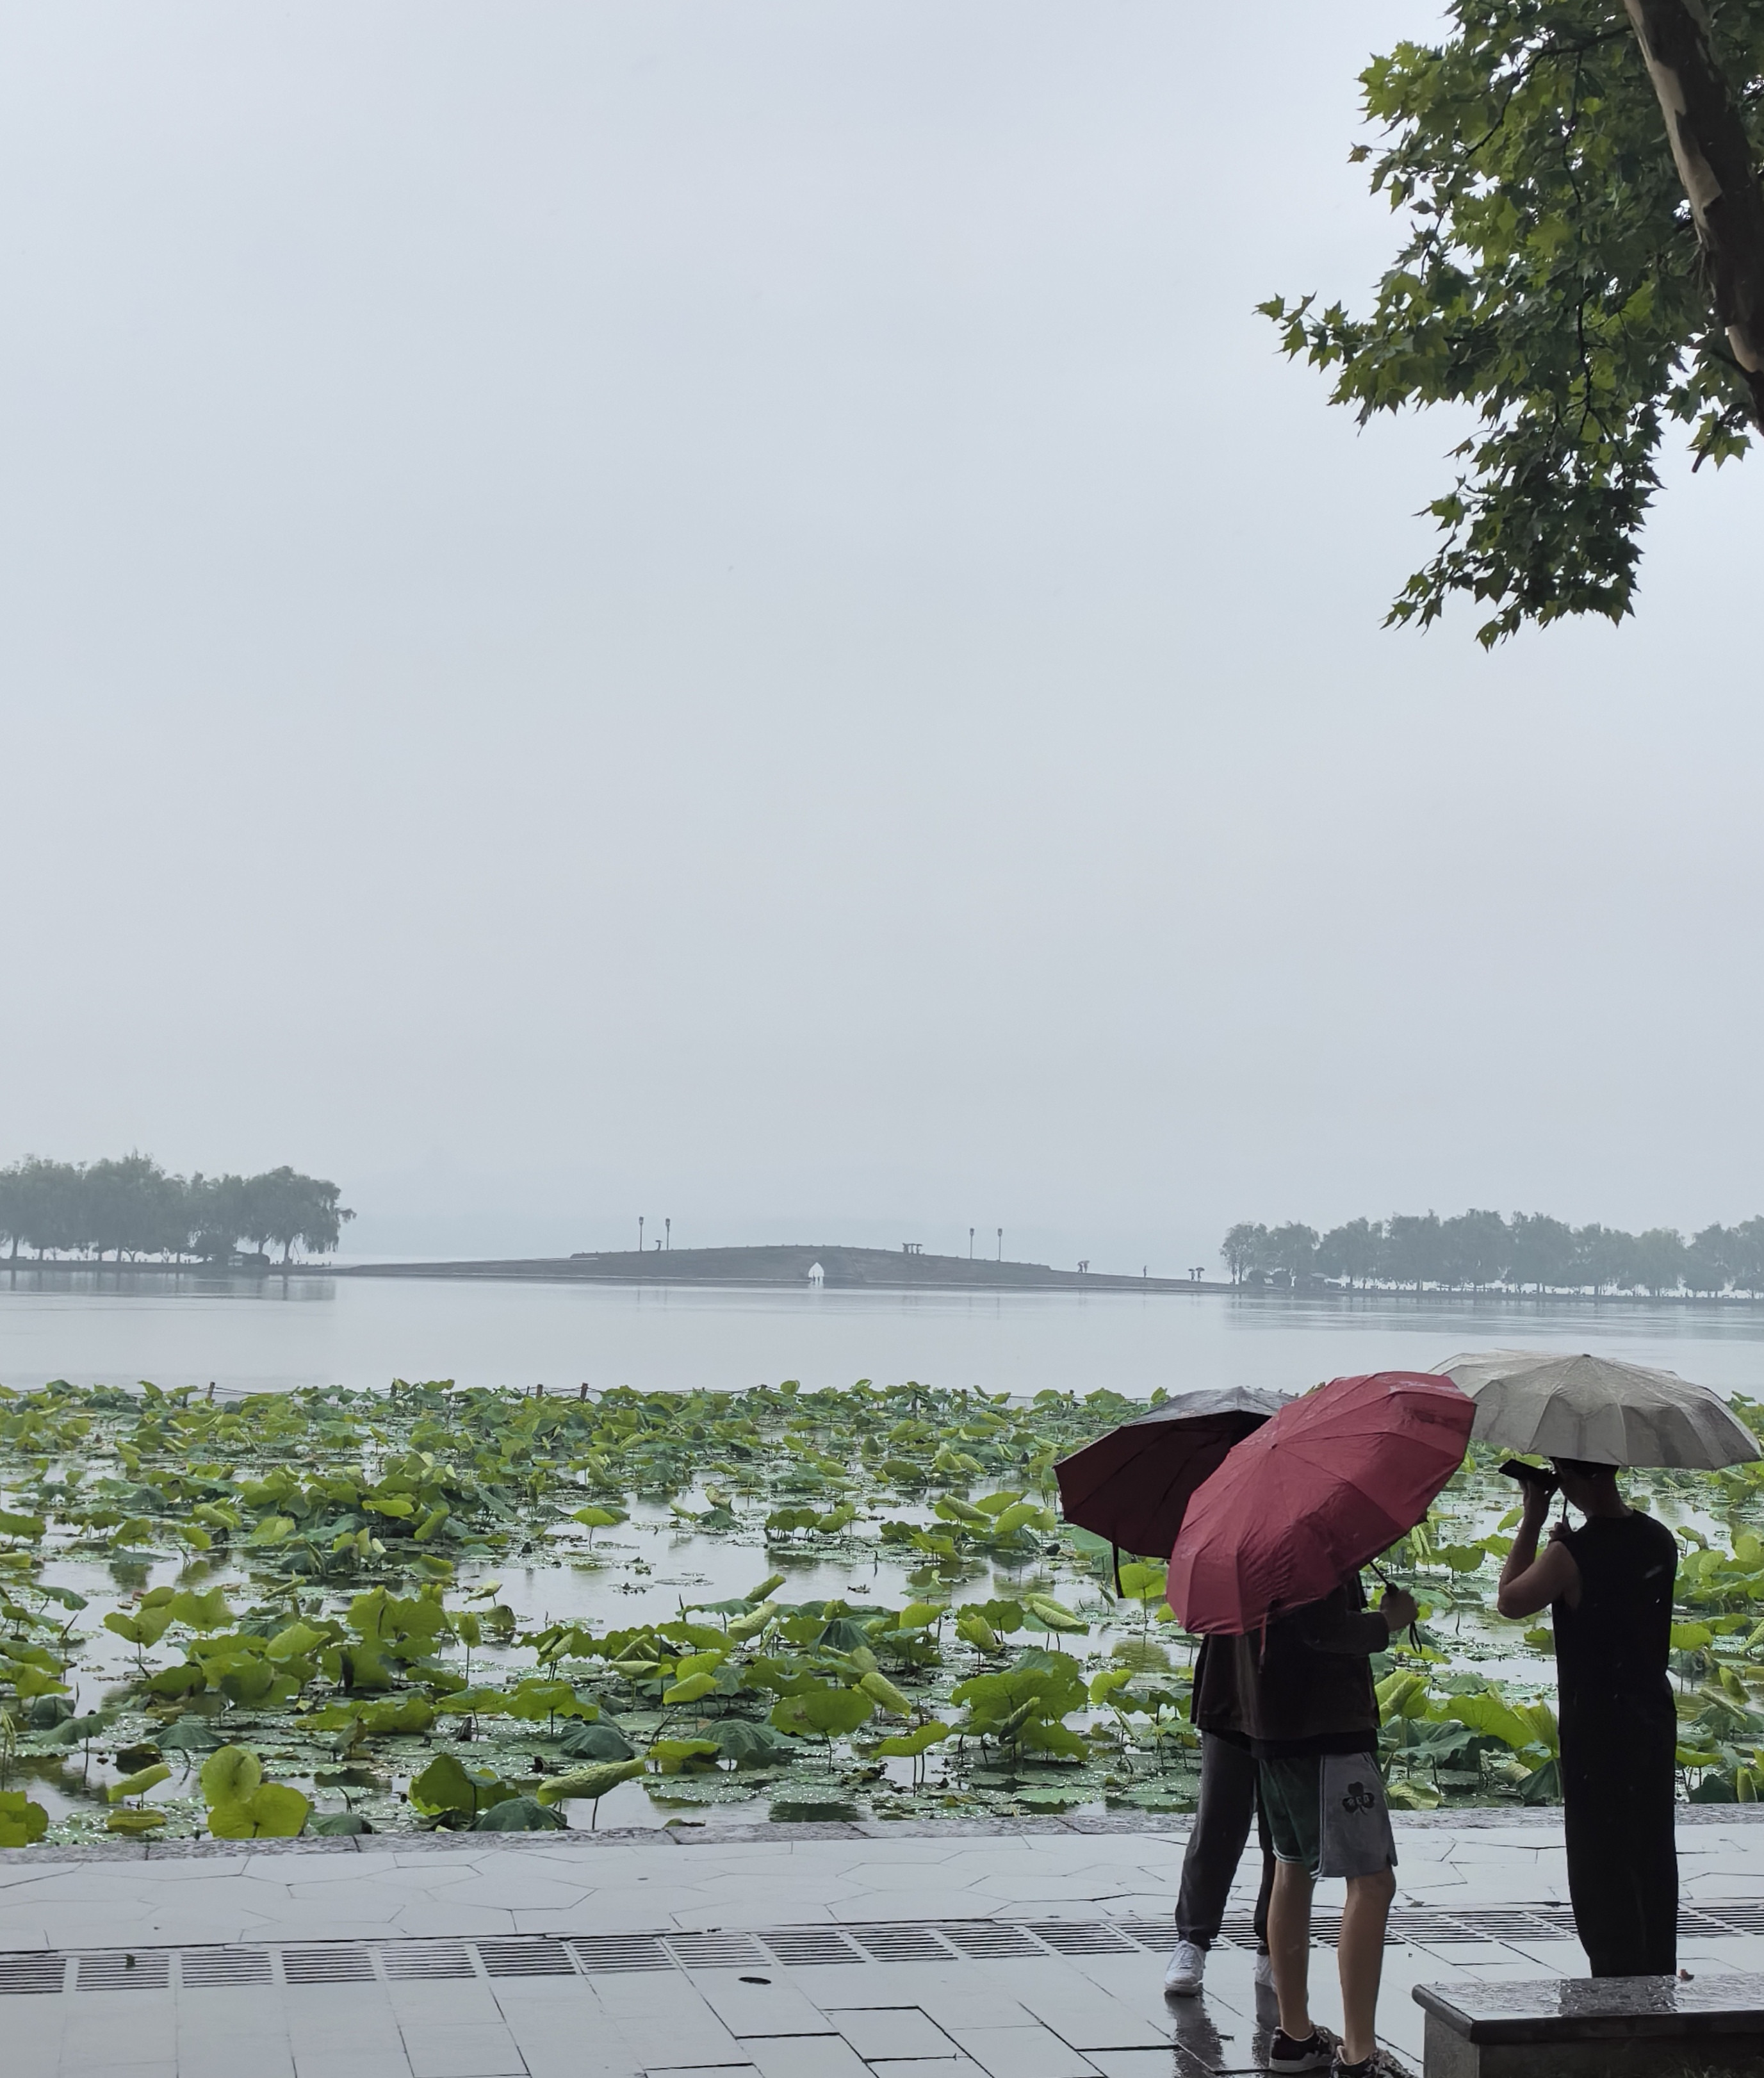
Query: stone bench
{"x": 1587, "y": 2027}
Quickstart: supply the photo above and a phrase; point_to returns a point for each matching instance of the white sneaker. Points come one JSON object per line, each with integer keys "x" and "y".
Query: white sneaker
{"x": 1264, "y": 1971}
{"x": 1187, "y": 1966}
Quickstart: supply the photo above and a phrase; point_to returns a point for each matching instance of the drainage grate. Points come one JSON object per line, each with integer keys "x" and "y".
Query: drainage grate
{"x": 124, "y": 1970}
{"x": 538, "y": 1958}
{"x": 225, "y": 1966}
{"x": 803, "y": 1947}
{"x": 600, "y": 1954}
{"x": 716, "y": 1951}
{"x": 792, "y": 1948}
{"x": 337, "y": 1963}
{"x": 1692, "y": 1921}
{"x": 404, "y": 1960}
{"x": 1438, "y": 1926}
{"x": 988, "y": 1941}
{"x": 1737, "y": 1918}
{"x": 1507, "y": 1925}
{"x": 32, "y": 1973}
{"x": 1160, "y": 1934}
{"x": 1068, "y": 1936}
{"x": 905, "y": 1943}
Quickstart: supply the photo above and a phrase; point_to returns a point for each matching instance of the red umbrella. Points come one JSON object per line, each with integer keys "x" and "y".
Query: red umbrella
{"x": 1327, "y": 1484}
{"x": 1132, "y": 1485}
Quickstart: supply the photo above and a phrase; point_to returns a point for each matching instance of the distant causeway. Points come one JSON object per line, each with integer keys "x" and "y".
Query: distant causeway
{"x": 791, "y": 1266}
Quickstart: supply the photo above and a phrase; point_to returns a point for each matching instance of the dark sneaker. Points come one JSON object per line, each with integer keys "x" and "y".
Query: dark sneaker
{"x": 1342, "y": 2068}
{"x": 1285, "y": 2055}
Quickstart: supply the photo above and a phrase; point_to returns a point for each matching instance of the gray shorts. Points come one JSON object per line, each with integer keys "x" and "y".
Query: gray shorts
{"x": 1328, "y": 1811}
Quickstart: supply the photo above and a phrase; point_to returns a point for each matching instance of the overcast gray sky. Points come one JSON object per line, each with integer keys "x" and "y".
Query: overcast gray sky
{"x": 724, "y": 611}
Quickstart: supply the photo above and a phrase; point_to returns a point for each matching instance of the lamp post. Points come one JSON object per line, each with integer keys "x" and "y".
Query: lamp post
{"x": 1001, "y": 1244}
{"x": 970, "y": 1244}
{"x": 668, "y": 1224}
{"x": 640, "y": 1233}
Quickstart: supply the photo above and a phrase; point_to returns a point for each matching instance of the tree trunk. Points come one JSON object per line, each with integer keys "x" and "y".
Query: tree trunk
{"x": 1714, "y": 157}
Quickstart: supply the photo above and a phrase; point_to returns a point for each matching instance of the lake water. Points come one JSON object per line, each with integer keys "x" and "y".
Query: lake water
{"x": 114, "y": 1327}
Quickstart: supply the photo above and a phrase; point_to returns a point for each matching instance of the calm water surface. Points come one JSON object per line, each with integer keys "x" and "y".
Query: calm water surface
{"x": 114, "y": 1327}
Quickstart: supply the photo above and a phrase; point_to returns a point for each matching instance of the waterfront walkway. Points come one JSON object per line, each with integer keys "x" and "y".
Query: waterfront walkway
{"x": 1016, "y": 1950}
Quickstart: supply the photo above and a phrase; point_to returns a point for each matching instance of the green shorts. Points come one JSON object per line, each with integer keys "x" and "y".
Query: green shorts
{"x": 1327, "y": 1812}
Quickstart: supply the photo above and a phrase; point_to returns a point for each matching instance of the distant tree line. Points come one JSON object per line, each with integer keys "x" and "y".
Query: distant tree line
{"x": 1476, "y": 1251}
{"x": 131, "y": 1208}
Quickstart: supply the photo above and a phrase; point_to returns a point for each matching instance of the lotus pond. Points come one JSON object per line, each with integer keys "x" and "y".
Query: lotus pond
{"x": 332, "y": 1612}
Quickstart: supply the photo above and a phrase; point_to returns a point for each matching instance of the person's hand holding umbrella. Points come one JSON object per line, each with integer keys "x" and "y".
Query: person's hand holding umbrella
{"x": 1400, "y": 1610}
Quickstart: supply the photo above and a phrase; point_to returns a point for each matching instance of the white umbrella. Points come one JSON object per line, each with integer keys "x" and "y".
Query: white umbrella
{"x": 1598, "y": 1409}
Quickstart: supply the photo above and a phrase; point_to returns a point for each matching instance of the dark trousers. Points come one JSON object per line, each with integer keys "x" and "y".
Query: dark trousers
{"x": 1623, "y": 1858}
{"x": 1228, "y": 1801}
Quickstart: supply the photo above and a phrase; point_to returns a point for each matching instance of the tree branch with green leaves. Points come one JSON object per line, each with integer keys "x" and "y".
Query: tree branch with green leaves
{"x": 1582, "y": 263}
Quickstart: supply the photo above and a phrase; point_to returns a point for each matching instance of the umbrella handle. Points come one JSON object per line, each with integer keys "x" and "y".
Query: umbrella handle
{"x": 1415, "y": 1631}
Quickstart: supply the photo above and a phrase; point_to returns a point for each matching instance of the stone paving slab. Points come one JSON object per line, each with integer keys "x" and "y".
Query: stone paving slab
{"x": 990, "y": 1995}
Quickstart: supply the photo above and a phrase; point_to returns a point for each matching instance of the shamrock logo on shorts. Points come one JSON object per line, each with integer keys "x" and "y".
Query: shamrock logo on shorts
{"x": 1358, "y": 1798}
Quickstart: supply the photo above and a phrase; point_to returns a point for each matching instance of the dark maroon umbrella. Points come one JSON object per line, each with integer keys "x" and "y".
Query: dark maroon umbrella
{"x": 1132, "y": 1485}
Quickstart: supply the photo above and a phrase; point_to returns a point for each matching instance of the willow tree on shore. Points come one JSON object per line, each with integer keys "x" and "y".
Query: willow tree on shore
{"x": 129, "y": 1207}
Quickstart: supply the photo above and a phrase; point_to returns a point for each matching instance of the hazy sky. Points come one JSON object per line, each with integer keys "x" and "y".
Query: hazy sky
{"x": 725, "y": 611}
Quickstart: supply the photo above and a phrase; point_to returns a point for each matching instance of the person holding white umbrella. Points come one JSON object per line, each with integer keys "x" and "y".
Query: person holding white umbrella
{"x": 1608, "y": 1585}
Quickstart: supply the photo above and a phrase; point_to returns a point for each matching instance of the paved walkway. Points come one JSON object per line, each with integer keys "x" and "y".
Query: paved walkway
{"x": 1025, "y": 1951}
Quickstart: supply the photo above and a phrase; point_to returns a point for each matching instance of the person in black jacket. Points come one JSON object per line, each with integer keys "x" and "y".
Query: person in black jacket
{"x": 1311, "y": 1718}
{"x": 1226, "y": 1804}
{"x": 1608, "y": 1585}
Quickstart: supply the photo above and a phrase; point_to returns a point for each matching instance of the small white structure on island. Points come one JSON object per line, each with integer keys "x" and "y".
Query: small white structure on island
{"x": 816, "y": 1275}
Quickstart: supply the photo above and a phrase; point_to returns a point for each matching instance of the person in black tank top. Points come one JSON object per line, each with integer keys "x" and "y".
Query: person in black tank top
{"x": 1608, "y": 1585}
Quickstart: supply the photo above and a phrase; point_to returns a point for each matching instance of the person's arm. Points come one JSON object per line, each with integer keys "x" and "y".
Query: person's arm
{"x": 1529, "y": 1582}
{"x": 1335, "y": 1627}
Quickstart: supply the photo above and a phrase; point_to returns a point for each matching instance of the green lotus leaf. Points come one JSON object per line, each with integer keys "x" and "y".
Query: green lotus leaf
{"x": 186, "y": 1679}
{"x": 881, "y": 1690}
{"x": 409, "y": 1713}
{"x": 121, "y": 1822}
{"x": 581, "y": 1741}
{"x": 141, "y": 1626}
{"x": 139, "y": 1783}
{"x": 188, "y": 1735}
{"x": 337, "y": 1825}
{"x": 446, "y": 1784}
{"x": 230, "y": 1774}
{"x": 822, "y": 1711}
{"x": 591, "y": 1782}
{"x": 22, "y": 1822}
{"x": 1051, "y": 1615}
{"x": 909, "y": 1746}
{"x": 200, "y": 1612}
{"x": 517, "y": 1814}
{"x": 272, "y": 1811}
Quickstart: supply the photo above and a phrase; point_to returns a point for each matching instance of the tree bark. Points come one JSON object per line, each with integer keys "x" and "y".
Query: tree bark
{"x": 1714, "y": 157}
